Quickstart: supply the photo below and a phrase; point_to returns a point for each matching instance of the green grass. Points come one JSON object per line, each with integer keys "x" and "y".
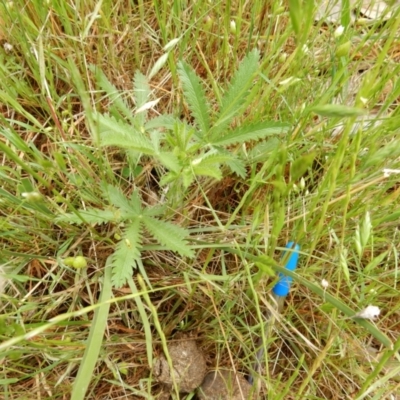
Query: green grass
{"x": 182, "y": 208}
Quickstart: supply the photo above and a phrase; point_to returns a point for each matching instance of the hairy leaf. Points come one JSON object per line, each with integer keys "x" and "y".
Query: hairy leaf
{"x": 212, "y": 157}
{"x": 238, "y": 167}
{"x": 118, "y": 199}
{"x": 127, "y": 251}
{"x": 187, "y": 177}
{"x": 237, "y": 92}
{"x": 168, "y": 178}
{"x": 162, "y": 121}
{"x": 155, "y": 211}
{"x": 112, "y": 92}
{"x": 169, "y": 235}
{"x": 90, "y": 216}
{"x": 251, "y": 132}
{"x": 117, "y": 133}
{"x": 170, "y": 161}
{"x": 214, "y": 172}
{"x": 135, "y": 203}
{"x": 260, "y": 151}
{"x": 195, "y": 96}
{"x": 141, "y": 92}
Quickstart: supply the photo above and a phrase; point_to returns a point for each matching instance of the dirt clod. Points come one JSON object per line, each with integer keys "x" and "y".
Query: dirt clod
{"x": 189, "y": 366}
{"x": 225, "y": 385}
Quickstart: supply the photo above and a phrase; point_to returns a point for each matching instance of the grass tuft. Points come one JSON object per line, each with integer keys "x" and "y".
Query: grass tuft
{"x": 156, "y": 157}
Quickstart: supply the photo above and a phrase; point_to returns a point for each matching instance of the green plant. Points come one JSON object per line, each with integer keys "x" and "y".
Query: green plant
{"x": 135, "y": 218}
{"x": 184, "y": 152}
{"x": 330, "y": 183}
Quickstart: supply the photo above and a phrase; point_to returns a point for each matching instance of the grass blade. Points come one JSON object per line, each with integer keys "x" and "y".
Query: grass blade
{"x": 95, "y": 340}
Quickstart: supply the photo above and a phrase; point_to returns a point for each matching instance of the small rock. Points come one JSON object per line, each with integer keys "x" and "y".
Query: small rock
{"x": 189, "y": 366}
{"x": 225, "y": 385}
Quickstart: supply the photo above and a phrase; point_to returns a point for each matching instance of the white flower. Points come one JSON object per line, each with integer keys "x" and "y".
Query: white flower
{"x": 324, "y": 283}
{"x": 338, "y": 31}
{"x": 370, "y": 312}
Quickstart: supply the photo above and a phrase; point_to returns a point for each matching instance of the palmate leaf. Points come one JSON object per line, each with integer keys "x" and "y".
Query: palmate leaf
{"x": 251, "y": 132}
{"x": 90, "y": 216}
{"x": 237, "y": 93}
{"x": 117, "y": 133}
{"x": 123, "y": 260}
{"x": 172, "y": 237}
{"x": 195, "y": 96}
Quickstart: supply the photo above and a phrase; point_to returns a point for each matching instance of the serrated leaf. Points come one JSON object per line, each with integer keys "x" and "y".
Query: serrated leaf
{"x": 155, "y": 211}
{"x": 90, "y": 216}
{"x": 251, "y": 132}
{"x": 195, "y": 96}
{"x": 187, "y": 177}
{"x": 112, "y": 92}
{"x": 172, "y": 237}
{"x": 127, "y": 251}
{"x": 237, "y": 92}
{"x": 162, "y": 121}
{"x": 213, "y": 172}
{"x": 238, "y": 167}
{"x": 117, "y": 133}
{"x": 212, "y": 157}
{"x": 135, "y": 203}
{"x": 117, "y": 198}
{"x": 260, "y": 151}
{"x": 169, "y": 161}
{"x": 141, "y": 92}
{"x": 168, "y": 178}
{"x": 338, "y": 110}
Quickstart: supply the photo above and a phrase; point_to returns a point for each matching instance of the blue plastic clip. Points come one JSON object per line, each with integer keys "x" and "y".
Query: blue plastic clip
{"x": 282, "y": 288}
